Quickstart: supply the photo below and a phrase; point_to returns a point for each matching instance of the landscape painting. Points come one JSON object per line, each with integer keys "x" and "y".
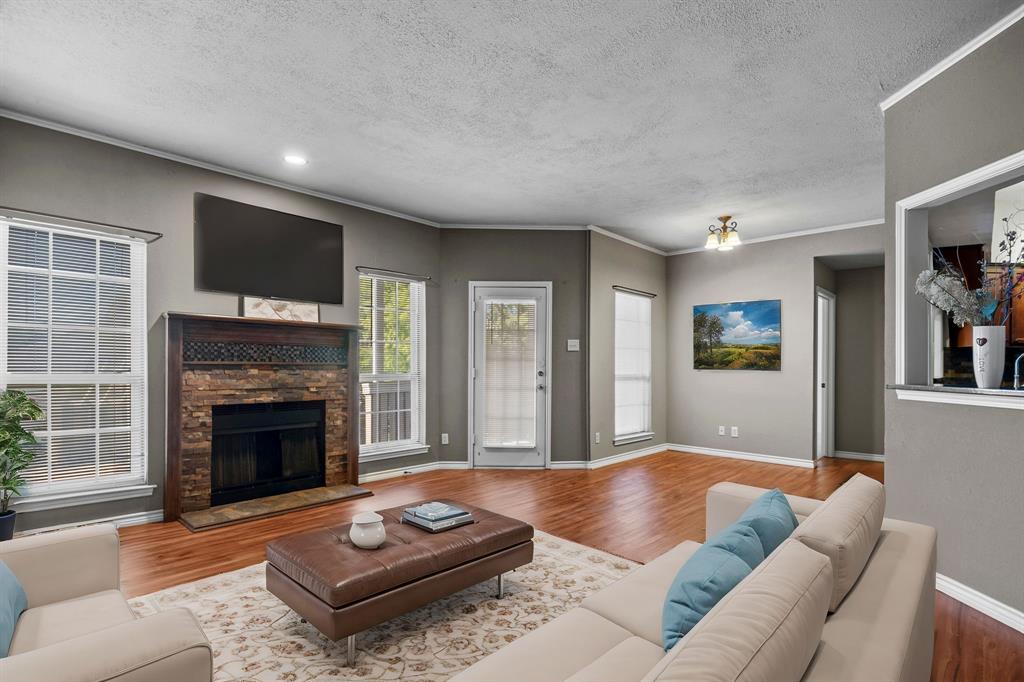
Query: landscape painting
{"x": 744, "y": 335}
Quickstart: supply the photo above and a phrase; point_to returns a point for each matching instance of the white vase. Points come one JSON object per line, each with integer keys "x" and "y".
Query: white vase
{"x": 989, "y": 344}
{"x": 367, "y": 530}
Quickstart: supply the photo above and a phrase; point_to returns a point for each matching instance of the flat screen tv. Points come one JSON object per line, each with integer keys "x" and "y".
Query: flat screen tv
{"x": 244, "y": 249}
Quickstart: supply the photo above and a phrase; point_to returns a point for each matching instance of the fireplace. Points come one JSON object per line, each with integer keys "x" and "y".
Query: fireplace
{"x": 272, "y": 398}
{"x": 265, "y": 449}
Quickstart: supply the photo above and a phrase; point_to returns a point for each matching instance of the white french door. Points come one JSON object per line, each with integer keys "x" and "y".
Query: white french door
{"x": 824, "y": 363}
{"x": 509, "y": 375}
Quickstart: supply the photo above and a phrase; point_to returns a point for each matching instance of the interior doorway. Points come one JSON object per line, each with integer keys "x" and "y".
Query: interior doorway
{"x": 509, "y": 374}
{"x": 825, "y": 373}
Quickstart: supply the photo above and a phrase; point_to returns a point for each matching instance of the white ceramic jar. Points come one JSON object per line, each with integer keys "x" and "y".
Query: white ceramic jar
{"x": 367, "y": 530}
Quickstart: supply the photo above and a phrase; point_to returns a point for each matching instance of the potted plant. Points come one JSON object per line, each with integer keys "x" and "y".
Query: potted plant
{"x": 15, "y": 408}
{"x": 986, "y": 308}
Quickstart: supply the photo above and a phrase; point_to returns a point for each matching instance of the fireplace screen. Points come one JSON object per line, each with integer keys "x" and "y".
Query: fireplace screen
{"x": 266, "y": 449}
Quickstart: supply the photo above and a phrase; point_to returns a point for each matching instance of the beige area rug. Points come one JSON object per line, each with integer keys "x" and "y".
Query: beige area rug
{"x": 256, "y": 637}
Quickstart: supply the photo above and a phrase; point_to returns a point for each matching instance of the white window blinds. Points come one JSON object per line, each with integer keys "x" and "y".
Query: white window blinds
{"x": 510, "y": 374}
{"x": 391, "y": 358}
{"x": 73, "y": 315}
{"x": 632, "y": 364}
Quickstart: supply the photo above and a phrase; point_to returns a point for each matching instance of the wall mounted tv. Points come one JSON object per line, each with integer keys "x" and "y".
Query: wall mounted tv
{"x": 244, "y": 249}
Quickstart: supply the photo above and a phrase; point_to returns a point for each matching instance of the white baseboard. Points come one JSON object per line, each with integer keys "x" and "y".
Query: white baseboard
{"x": 867, "y": 456}
{"x": 574, "y": 464}
{"x": 406, "y": 471}
{"x": 968, "y": 596}
{"x": 136, "y": 519}
{"x": 611, "y": 459}
{"x": 602, "y": 462}
{"x": 736, "y": 454}
{"x": 626, "y": 456}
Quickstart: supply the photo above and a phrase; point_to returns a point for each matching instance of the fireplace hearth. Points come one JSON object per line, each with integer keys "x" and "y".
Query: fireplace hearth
{"x": 266, "y": 449}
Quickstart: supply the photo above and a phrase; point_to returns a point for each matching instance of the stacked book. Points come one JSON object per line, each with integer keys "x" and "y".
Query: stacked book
{"x": 436, "y": 516}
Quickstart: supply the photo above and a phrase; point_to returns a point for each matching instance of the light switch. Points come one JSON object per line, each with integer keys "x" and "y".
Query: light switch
{"x": 572, "y": 345}
{"x": 444, "y": 439}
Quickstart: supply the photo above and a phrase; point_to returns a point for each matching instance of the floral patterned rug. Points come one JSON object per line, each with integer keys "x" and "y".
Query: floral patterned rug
{"x": 256, "y": 637}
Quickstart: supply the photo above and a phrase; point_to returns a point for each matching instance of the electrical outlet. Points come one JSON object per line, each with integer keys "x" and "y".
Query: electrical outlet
{"x": 597, "y": 437}
{"x": 444, "y": 439}
{"x": 721, "y": 430}
{"x": 735, "y": 433}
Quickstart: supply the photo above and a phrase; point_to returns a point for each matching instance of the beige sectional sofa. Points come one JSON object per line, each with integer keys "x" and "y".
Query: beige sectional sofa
{"x": 79, "y": 626}
{"x": 773, "y": 625}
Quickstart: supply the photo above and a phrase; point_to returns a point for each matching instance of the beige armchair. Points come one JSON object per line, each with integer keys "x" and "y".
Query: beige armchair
{"x": 79, "y": 627}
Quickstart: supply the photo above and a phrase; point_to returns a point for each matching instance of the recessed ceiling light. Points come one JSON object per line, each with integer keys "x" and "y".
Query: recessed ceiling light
{"x": 295, "y": 160}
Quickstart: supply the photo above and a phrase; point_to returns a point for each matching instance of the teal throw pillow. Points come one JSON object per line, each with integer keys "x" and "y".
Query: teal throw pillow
{"x": 12, "y": 603}
{"x": 718, "y": 566}
{"x": 772, "y": 519}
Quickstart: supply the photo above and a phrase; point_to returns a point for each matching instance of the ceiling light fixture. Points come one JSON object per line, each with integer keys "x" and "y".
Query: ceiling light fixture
{"x": 295, "y": 160}
{"x": 724, "y": 237}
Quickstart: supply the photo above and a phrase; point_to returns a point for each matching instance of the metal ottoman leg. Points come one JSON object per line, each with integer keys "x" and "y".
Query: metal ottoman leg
{"x": 501, "y": 585}
{"x": 351, "y": 642}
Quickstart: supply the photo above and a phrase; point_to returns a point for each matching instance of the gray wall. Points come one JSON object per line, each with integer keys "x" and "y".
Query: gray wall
{"x": 50, "y": 172}
{"x": 517, "y": 255}
{"x": 955, "y": 467}
{"x": 860, "y": 360}
{"x": 614, "y": 262}
{"x": 774, "y": 410}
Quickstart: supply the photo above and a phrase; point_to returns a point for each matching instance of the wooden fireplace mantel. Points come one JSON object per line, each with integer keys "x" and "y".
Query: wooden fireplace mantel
{"x": 245, "y": 355}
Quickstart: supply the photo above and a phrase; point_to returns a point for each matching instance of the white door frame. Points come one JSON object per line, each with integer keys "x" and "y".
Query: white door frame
{"x": 471, "y": 424}
{"x": 829, "y": 348}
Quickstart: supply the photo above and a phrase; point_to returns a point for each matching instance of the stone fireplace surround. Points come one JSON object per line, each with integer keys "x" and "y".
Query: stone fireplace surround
{"x": 224, "y": 360}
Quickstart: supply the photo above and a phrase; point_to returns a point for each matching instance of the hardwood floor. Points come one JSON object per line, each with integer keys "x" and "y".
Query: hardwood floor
{"x": 614, "y": 509}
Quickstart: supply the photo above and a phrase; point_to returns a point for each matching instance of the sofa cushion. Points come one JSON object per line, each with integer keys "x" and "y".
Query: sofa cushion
{"x": 626, "y": 661}
{"x": 767, "y": 628}
{"x": 556, "y": 651}
{"x": 845, "y": 528}
{"x": 12, "y": 603}
{"x": 772, "y": 519}
{"x": 636, "y": 601}
{"x": 718, "y": 566}
{"x": 884, "y": 629}
{"x": 45, "y": 625}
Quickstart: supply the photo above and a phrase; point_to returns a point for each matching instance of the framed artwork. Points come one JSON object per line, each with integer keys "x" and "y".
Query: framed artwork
{"x": 272, "y": 309}
{"x": 742, "y": 335}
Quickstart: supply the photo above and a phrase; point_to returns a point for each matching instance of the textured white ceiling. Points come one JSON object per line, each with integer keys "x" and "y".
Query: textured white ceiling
{"x": 648, "y": 118}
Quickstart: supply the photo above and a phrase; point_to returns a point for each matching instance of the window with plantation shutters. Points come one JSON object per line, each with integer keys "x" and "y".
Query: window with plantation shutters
{"x": 632, "y": 367}
{"x": 72, "y": 308}
{"x": 391, "y": 355}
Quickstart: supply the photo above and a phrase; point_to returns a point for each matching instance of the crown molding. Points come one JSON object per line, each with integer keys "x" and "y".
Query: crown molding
{"x": 106, "y": 139}
{"x": 626, "y": 240}
{"x": 987, "y": 35}
{"x": 566, "y": 228}
{"x": 484, "y": 226}
{"x": 790, "y": 235}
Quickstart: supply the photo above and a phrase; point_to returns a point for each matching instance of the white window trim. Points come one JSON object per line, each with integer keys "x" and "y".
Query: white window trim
{"x": 646, "y": 433}
{"x": 939, "y": 194}
{"x": 633, "y": 438}
{"x": 55, "y": 497}
{"x": 410, "y": 446}
{"x": 58, "y": 500}
{"x": 393, "y": 450}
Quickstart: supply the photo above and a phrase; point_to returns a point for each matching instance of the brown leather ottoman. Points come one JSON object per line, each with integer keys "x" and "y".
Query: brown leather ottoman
{"x": 342, "y": 589}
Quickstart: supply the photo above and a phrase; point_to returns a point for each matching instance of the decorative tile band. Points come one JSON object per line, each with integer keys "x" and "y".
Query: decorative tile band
{"x": 244, "y": 352}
